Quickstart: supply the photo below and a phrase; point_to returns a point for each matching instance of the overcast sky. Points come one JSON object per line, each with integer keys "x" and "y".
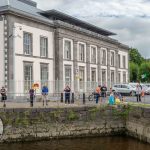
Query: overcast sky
{"x": 130, "y": 19}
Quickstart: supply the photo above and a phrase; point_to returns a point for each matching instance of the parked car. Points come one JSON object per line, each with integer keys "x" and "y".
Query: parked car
{"x": 147, "y": 84}
{"x": 147, "y": 92}
{"x": 144, "y": 86}
{"x": 125, "y": 89}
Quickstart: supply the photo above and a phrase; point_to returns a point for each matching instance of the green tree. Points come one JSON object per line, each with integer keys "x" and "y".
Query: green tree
{"x": 135, "y": 56}
{"x": 144, "y": 71}
{"x": 134, "y": 70}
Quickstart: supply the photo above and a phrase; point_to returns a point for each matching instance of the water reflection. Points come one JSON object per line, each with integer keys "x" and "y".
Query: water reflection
{"x": 102, "y": 143}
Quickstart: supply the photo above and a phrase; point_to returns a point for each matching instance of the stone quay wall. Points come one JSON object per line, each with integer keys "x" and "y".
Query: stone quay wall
{"x": 138, "y": 123}
{"x": 48, "y": 123}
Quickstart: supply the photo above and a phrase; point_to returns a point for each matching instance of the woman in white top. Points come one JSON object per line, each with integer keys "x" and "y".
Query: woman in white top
{"x": 138, "y": 92}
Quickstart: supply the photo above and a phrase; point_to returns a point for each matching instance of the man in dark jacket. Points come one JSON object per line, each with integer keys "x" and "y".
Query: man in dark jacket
{"x": 104, "y": 90}
{"x": 31, "y": 93}
{"x": 67, "y": 94}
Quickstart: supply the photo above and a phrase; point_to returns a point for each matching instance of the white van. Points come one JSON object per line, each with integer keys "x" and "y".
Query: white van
{"x": 125, "y": 89}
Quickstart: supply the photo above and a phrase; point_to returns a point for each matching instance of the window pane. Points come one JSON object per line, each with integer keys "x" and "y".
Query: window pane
{"x": 103, "y": 76}
{"x": 27, "y": 43}
{"x": 93, "y": 54}
{"x": 67, "y": 50}
{"x": 103, "y": 57}
{"x": 119, "y": 60}
{"x": 124, "y": 77}
{"x": 124, "y": 61}
{"x": 43, "y": 46}
{"x": 112, "y": 78}
{"x": 93, "y": 75}
{"x": 81, "y": 74}
{"x": 112, "y": 58}
{"x": 68, "y": 75}
{"x": 28, "y": 76}
{"x": 119, "y": 77}
{"x": 44, "y": 74}
{"x": 81, "y": 52}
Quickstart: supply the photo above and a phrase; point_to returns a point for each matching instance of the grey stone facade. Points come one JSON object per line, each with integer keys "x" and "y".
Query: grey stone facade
{"x": 61, "y": 29}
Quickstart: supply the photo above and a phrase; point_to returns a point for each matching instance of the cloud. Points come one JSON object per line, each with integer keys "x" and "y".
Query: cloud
{"x": 130, "y": 19}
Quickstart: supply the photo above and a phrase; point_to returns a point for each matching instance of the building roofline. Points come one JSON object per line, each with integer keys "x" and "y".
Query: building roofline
{"x": 57, "y": 15}
{"x": 8, "y": 9}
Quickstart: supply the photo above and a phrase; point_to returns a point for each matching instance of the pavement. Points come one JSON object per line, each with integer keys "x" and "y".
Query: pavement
{"x": 144, "y": 100}
{"x": 78, "y": 103}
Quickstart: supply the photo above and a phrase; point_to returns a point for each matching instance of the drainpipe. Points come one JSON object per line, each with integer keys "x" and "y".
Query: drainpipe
{"x": 3, "y": 17}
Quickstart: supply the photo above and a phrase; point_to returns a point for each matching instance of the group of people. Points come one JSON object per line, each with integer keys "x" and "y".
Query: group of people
{"x": 101, "y": 91}
{"x": 115, "y": 98}
{"x": 44, "y": 95}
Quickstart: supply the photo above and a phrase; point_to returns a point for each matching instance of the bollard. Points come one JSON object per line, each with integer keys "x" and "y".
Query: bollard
{"x": 4, "y": 104}
{"x": 72, "y": 101}
{"x": 83, "y": 98}
{"x": 61, "y": 100}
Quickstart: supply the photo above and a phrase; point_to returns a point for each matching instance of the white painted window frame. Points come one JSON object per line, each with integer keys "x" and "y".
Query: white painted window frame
{"x": 114, "y": 58}
{"x": 91, "y": 53}
{"x": 101, "y": 51}
{"x": 70, "y": 40}
{"x": 79, "y": 53}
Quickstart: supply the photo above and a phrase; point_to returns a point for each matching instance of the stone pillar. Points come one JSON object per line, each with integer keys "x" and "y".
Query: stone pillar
{"x": 108, "y": 68}
{"x": 59, "y": 63}
{"x": 88, "y": 61}
{"x": 99, "y": 64}
{"x": 116, "y": 66}
{"x": 88, "y": 67}
{"x": 75, "y": 65}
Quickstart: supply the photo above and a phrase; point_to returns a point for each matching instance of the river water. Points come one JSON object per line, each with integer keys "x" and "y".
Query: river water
{"x": 99, "y": 143}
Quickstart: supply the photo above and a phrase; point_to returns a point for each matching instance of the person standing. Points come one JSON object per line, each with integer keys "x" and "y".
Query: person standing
{"x": 67, "y": 91}
{"x": 104, "y": 91}
{"x": 111, "y": 99}
{"x": 138, "y": 92}
{"x": 98, "y": 92}
{"x": 3, "y": 94}
{"x": 44, "y": 95}
{"x": 32, "y": 95}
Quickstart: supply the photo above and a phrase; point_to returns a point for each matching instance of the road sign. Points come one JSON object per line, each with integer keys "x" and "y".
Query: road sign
{"x": 35, "y": 86}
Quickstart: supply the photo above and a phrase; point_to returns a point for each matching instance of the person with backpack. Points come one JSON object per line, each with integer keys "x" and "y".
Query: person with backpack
{"x": 44, "y": 95}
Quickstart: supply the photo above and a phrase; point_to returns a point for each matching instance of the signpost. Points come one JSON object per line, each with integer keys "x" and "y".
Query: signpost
{"x": 35, "y": 86}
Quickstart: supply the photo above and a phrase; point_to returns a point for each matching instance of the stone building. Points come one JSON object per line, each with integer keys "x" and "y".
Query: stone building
{"x": 48, "y": 46}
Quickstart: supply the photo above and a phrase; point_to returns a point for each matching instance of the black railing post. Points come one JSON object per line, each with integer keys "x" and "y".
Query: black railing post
{"x": 83, "y": 98}
{"x": 61, "y": 99}
{"x": 72, "y": 100}
{"x": 4, "y": 104}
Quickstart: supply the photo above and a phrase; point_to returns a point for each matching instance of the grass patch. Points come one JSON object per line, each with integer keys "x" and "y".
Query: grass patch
{"x": 139, "y": 104}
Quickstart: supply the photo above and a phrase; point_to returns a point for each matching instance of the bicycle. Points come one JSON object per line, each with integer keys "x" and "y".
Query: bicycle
{"x": 92, "y": 97}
